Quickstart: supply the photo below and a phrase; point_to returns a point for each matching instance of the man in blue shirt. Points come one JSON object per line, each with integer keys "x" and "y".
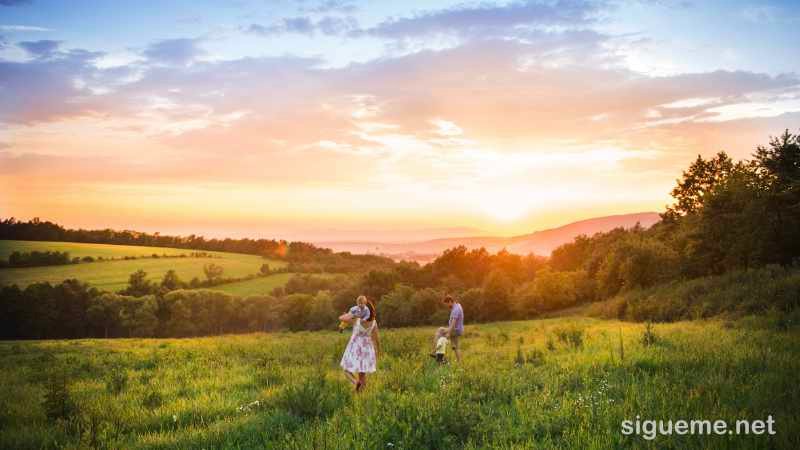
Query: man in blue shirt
{"x": 455, "y": 326}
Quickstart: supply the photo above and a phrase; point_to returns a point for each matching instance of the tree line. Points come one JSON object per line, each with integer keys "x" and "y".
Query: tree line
{"x": 73, "y": 309}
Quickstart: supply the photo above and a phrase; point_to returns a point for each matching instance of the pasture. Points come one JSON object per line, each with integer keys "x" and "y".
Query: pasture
{"x": 554, "y": 383}
{"x": 261, "y": 285}
{"x": 256, "y": 286}
{"x": 112, "y": 275}
{"x": 80, "y": 249}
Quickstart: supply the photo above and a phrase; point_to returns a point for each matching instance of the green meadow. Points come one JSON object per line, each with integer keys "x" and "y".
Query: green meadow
{"x": 256, "y": 286}
{"x": 82, "y": 249}
{"x": 546, "y": 384}
{"x": 262, "y": 285}
{"x": 112, "y": 275}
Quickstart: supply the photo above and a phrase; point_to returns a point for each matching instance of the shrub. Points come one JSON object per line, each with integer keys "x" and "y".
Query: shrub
{"x": 308, "y": 284}
{"x": 320, "y": 312}
{"x": 313, "y": 397}
{"x": 213, "y": 272}
{"x": 117, "y": 380}
{"x": 738, "y": 293}
{"x": 58, "y": 402}
{"x": 637, "y": 262}
{"x": 520, "y": 359}
{"x": 36, "y": 258}
{"x": 535, "y": 357}
{"x": 571, "y": 336}
{"x": 152, "y": 400}
{"x": 551, "y": 291}
{"x": 497, "y": 290}
{"x": 649, "y": 336}
{"x": 405, "y": 306}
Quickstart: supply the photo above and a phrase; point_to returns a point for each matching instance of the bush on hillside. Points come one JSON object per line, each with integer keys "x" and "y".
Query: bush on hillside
{"x": 735, "y": 293}
{"x": 551, "y": 291}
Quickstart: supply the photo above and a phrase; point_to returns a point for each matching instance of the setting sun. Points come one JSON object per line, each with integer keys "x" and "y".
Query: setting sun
{"x": 505, "y": 207}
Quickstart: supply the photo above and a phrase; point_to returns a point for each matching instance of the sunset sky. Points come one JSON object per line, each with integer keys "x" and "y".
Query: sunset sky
{"x": 327, "y": 120}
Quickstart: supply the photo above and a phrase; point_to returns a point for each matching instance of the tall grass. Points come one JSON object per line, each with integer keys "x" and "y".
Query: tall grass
{"x": 285, "y": 390}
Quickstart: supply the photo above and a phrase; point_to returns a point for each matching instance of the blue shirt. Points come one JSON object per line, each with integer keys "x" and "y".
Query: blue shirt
{"x": 457, "y": 318}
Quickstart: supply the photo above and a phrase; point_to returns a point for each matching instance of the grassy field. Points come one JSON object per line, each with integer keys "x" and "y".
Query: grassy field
{"x": 113, "y": 275}
{"x": 256, "y": 286}
{"x": 81, "y": 249}
{"x": 554, "y": 383}
{"x": 261, "y": 286}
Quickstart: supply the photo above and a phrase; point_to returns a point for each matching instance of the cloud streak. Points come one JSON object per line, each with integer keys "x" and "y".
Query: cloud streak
{"x": 40, "y": 49}
{"x": 21, "y": 28}
{"x": 472, "y": 20}
{"x": 174, "y": 51}
{"x": 465, "y": 21}
{"x": 329, "y": 25}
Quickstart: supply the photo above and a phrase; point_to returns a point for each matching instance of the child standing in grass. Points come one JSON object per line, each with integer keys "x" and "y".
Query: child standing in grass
{"x": 455, "y": 326}
{"x": 441, "y": 345}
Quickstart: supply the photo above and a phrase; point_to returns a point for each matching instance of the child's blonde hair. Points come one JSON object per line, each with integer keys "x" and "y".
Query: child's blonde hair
{"x": 442, "y": 331}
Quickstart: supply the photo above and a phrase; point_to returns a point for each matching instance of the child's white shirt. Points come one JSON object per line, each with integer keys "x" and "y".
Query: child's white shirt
{"x": 441, "y": 345}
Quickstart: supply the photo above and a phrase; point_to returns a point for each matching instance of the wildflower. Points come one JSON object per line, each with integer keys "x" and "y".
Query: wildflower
{"x": 175, "y": 418}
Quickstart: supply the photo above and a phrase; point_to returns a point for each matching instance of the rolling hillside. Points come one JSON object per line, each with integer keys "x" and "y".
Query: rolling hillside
{"x": 113, "y": 275}
{"x": 256, "y": 286}
{"x": 81, "y": 249}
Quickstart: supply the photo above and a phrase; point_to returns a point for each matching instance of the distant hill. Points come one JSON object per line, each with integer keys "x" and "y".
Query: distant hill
{"x": 539, "y": 242}
{"x": 545, "y": 241}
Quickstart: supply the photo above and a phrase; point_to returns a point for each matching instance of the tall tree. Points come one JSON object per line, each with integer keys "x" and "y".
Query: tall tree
{"x": 213, "y": 272}
{"x": 138, "y": 285}
{"x": 696, "y": 183}
{"x": 104, "y": 313}
{"x": 779, "y": 166}
{"x": 171, "y": 281}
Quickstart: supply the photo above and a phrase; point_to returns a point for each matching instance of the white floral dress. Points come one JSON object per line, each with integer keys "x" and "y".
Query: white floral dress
{"x": 359, "y": 356}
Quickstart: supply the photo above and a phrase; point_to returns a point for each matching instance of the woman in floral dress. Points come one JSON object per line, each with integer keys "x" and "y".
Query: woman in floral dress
{"x": 361, "y": 355}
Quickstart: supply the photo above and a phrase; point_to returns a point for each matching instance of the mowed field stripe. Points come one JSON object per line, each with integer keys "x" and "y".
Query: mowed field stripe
{"x": 113, "y": 275}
